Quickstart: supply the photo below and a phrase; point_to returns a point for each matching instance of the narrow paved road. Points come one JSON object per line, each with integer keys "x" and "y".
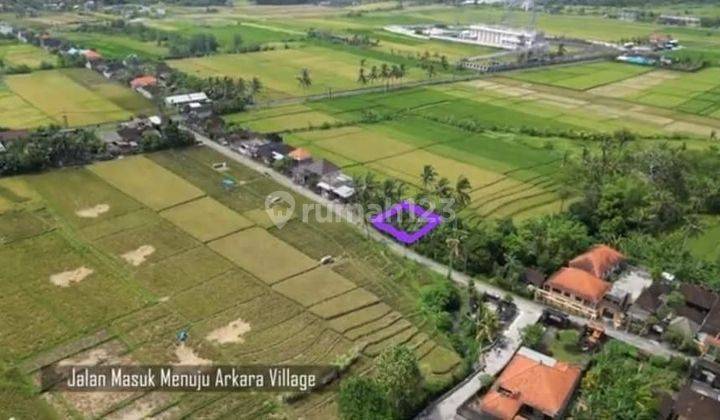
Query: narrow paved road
{"x": 528, "y": 311}
{"x": 492, "y": 362}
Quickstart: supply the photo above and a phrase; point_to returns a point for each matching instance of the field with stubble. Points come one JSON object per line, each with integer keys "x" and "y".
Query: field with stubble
{"x": 99, "y": 267}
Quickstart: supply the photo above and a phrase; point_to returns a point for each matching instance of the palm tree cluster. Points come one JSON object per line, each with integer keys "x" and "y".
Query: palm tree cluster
{"x": 219, "y": 88}
{"x": 384, "y": 72}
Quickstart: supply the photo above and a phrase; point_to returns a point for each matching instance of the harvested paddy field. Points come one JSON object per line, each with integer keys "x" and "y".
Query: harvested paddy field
{"x": 118, "y": 286}
{"x": 693, "y": 93}
{"x": 330, "y": 69}
{"x": 583, "y": 76}
{"x": 74, "y": 97}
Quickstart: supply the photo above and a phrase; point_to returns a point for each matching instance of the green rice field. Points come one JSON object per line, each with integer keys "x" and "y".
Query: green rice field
{"x": 101, "y": 265}
{"x": 16, "y": 54}
{"x": 583, "y": 76}
{"x": 512, "y": 175}
{"x": 73, "y": 97}
{"x": 330, "y": 69}
{"x": 115, "y": 46}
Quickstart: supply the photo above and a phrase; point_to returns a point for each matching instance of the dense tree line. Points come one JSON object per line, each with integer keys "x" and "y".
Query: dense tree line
{"x": 50, "y": 147}
{"x": 179, "y": 46}
{"x": 53, "y": 147}
{"x": 643, "y": 197}
{"x": 395, "y": 392}
{"x": 228, "y": 94}
{"x": 622, "y": 385}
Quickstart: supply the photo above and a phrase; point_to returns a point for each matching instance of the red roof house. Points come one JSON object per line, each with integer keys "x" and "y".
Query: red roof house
{"x": 92, "y": 55}
{"x": 600, "y": 261}
{"x": 579, "y": 283}
{"x": 143, "y": 81}
{"x": 531, "y": 384}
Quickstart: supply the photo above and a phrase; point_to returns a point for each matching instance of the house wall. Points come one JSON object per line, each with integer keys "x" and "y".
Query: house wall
{"x": 568, "y": 304}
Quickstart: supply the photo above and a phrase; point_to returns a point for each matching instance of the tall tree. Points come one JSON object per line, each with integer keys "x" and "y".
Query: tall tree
{"x": 462, "y": 192}
{"x": 363, "y": 399}
{"x": 428, "y": 176}
{"x": 399, "y": 374}
{"x": 304, "y": 78}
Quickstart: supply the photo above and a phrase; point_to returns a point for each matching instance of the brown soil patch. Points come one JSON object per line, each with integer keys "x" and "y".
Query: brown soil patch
{"x": 142, "y": 408}
{"x": 92, "y": 357}
{"x": 231, "y": 333}
{"x": 93, "y": 404}
{"x": 187, "y": 357}
{"x": 139, "y": 255}
{"x": 93, "y": 212}
{"x": 67, "y": 278}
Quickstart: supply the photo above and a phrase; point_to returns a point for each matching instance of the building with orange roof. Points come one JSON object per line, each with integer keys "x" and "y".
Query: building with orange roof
{"x": 600, "y": 261}
{"x": 575, "y": 291}
{"x": 532, "y": 385}
{"x": 299, "y": 155}
{"x": 92, "y": 55}
{"x": 143, "y": 81}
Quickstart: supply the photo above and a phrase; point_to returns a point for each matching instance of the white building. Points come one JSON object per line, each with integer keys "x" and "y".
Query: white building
{"x": 198, "y": 97}
{"x": 502, "y": 37}
{"x": 679, "y": 20}
{"x": 5, "y": 29}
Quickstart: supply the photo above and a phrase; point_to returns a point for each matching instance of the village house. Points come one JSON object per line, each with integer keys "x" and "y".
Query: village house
{"x": 532, "y": 386}
{"x": 186, "y": 99}
{"x": 143, "y": 82}
{"x": 300, "y": 155}
{"x": 271, "y": 152}
{"x": 582, "y": 287}
{"x": 111, "y": 69}
{"x": 679, "y": 20}
{"x": 575, "y": 291}
{"x": 6, "y": 137}
{"x": 696, "y": 400}
{"x": 247, "y": 147}
{"x": 336, "y": 186}
{"x": 601, "y": 261}
{"x": 6, "y": 29}
{"x": 310, "y": 171}
{"x": 649, "y": 301}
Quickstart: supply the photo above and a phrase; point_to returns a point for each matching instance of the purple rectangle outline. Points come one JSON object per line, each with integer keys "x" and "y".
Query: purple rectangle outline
{"x": 432, "y": 221}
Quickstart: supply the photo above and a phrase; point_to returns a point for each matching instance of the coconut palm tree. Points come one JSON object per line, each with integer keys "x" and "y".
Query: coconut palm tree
{"x": 443, "y": 188}
{"x": 304, "y": 78}
{"x": 454, "y": 244}
{"x": 428, "y": 176}
{"x": 487, "y": 325}
{"x": 365, "y": 192}
{"x": 462, "y": 192}
{"x": 362, "y": 77}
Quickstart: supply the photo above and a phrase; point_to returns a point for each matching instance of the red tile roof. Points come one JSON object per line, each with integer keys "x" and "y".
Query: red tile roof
{"x": 92, "y": 55}
{"x": 300, "y": 154}
{"x": 579, "y": 283}
{"x": 598, "y": 260}
{"x": 143, "y": 81}
{"x": 526, "y": 381}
